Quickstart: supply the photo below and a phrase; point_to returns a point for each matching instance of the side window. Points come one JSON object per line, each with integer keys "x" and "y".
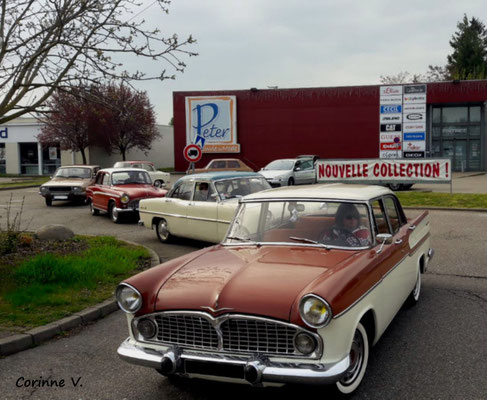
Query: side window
{"x": 99, "y": 178}
{"x": 203, "y": 192}
{"x": 380, "y": 221}
{"x": 147, "y": 167}
{"x": 106, "y": 179}
{"x": 307, "y": 165}
{"x": 233, "y": 164}
{"x": 183, "y": 191}
{"x": 217, "y": 164}
{"x": 392, "y": 213}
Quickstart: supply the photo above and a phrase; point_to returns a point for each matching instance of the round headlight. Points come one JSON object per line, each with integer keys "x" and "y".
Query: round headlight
{"x": 125, "y": 198}
{"x": 76, "y": 189}
{"x": 315, "y": 311}
{"x": 44, "y": 189}
{"x": 128, "y": 298}
{"x": 305, "y": 343}
{"x": 147, "y": 328}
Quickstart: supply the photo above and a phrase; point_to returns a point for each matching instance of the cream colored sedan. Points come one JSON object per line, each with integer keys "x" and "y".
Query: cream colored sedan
{"x": 199, "y": 206}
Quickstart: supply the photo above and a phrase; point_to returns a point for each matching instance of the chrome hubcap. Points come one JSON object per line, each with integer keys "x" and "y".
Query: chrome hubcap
{"x": 356, "y": 359}
{"x": 162, "y": 228}
{"x": 417, "y": 288}
{"x": 114, "y": 214}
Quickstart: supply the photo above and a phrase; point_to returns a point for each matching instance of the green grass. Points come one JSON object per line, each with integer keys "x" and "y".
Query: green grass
{"x": 25, "y": 182}
{"x": 48, "y": 287}
{"x": 446, "y": 200}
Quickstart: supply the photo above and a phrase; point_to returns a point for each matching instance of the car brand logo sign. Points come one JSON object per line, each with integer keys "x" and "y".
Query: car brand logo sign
{"x": 390, "y": 127}
{"x": 391, "y": 109}
{"x": 414, "y": 136}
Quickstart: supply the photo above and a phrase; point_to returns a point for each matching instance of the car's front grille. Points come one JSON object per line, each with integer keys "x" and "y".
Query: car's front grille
{"x": 57, "y": 189}
{"x": 249, "y": 335}
{"x": 182, "y": 329}
{"x": 134, "y": 204}
{"x": 229, "y": 333}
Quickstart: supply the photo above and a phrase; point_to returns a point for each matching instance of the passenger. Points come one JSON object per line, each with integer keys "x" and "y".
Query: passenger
{"x": 347, "y": 230}
{"x": 201, "y": 192}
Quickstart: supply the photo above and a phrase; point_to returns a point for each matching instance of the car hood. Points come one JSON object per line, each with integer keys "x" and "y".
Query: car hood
{"x": 68, "y": 182}
{"x": 141, "y": 191}
{"x": 274, "y": 173}
{"x": 265, "y": 280}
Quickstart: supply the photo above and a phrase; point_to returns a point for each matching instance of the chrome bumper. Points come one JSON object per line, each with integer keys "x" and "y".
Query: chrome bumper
{"x": 125, "y": 210}
{"x": 253, "y": 370}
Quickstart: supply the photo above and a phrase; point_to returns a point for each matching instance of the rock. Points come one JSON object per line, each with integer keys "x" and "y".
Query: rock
{"x": 54, "y": 232}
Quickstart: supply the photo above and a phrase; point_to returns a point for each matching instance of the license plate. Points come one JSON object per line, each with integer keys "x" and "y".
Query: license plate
{"x": 60, "y": 197}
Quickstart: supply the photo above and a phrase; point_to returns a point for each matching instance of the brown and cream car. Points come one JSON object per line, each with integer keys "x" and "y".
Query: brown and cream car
{"x": 306, "y": 280}
{"x": 69, "y": 183}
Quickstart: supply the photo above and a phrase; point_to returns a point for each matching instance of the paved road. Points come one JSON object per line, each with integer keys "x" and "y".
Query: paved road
{"x": 435, "y": 351}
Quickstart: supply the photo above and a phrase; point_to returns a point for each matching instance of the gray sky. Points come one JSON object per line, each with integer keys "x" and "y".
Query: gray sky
{"x": 304, "y": 43}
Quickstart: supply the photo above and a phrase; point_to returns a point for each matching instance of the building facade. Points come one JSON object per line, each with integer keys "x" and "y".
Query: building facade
{"x": 21, "y": 153}
{"x": 441, "y": 119}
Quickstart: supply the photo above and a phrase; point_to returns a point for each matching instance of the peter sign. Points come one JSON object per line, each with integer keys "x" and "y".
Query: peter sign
{"x": 211, "y": 123}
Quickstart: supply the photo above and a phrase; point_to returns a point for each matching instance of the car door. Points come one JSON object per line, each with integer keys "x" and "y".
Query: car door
{"x": 100, "y": 187}
{"x": 299, "y": 173}
{"x": 174, "y": 208}
{"x": 202, "y": 213}
{"x": 308, "y": 171}
{"x": 393, "y": 262}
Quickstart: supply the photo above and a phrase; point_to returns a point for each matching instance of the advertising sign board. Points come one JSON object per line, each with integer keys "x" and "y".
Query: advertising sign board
{"x": 211, "y": 122}
{"x": 384, "y": 171}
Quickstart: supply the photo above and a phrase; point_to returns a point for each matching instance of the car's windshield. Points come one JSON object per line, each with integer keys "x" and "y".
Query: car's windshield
{"x": 73, "y": 172}
{"x": 130, "y": 177}
{"x": 238, "y": 187}
{"x": 281, "y": 165}
{"x": 121, "y": 164}
{"x": 332, "y": 224}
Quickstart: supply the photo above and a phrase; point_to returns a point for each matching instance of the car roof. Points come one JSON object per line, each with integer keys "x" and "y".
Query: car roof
{"x": 335, "y": 191}
{"x": 226, "y": 159}
{"x": 134, "y": 161}
{"x": 79, "y": 166}
{"x": 110, "y": 170}
{"x": 215, "y": 176}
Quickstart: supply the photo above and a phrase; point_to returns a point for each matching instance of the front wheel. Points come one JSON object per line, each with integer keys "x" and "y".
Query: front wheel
{"x": 113, "y": 213}
{"x": 162, "y": 231}
{"x": 48, "y": 201}
{"x": 290, "y": 182}
{"x": 395, "y": 186}
{"x": 159, "y": 183}
{"x": 93, "y": 210}
{"x": 359, "y": 357}
{"x": 413, "y": 297}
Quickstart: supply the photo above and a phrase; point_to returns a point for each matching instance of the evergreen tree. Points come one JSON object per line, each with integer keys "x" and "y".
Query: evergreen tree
{"x": 469, "y": 57}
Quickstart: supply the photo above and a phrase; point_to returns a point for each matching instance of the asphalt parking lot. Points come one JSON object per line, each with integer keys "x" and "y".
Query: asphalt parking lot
{"x": 434, "y": 351}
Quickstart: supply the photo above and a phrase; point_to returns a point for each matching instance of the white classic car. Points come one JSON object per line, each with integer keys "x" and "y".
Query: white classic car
{"x": 304, "y": 284}
{"x": 159, "y": 178}
{"x": 199, "y": 206}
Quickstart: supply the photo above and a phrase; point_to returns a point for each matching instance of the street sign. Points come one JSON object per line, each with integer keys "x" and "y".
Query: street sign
{"x": 192, "y": 153}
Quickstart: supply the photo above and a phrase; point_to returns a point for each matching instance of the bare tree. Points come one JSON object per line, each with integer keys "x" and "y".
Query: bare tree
{"x": 54, "y": 44}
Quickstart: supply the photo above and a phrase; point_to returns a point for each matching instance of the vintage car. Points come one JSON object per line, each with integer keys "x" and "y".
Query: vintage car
{"x": 222, "y": 164}
{"x": 289, "y": 171}
{"x": 117, "y": 191}
{"x": 159, "y": 178}
{"x": 199, "y": 206}
{"x": 69, "y": 183}
{"x": 304, "y": 283}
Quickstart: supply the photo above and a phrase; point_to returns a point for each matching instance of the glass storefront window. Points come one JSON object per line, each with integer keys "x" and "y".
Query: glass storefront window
{"x": 51, "y": 159}
{"x": 2, "y": 159}
{"x": 436, "y": 131}
{"x": 454, "y": 115}
{"x": 475, "y": 114}
{"x": 436, "y": 115}
{"x": 29, "y": 159}
{"x": 454, "y": 131}
{"x": 474, "y": 131}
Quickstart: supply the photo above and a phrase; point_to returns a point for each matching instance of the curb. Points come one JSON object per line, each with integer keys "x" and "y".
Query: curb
{"x": 23, "y": 341}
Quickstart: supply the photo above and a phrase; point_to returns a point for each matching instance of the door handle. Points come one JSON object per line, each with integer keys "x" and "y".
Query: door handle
{"x": 398, "y": 241}
{"x": 412, "y": 227}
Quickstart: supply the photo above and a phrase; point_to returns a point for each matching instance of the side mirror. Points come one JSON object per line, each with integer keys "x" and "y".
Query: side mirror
{"x": 297, "y": 169}
{"x": 384, "y": 237}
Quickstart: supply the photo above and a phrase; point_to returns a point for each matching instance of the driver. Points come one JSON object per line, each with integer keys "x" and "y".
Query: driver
{"x": 347, "y": 230}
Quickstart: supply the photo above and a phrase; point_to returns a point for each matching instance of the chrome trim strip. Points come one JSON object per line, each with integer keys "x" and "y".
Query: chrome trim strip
{"x": 318, "y": 246}
{"x": 219, "y": 221}
{"x": 216, "y": 322}
{"x": 108, "y": 194}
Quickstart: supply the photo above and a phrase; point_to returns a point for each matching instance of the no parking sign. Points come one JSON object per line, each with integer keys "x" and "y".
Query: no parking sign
{"x": 192, "y": 153}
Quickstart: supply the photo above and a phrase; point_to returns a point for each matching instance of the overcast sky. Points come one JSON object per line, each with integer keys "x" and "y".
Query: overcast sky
{"x": 304, "y": 43}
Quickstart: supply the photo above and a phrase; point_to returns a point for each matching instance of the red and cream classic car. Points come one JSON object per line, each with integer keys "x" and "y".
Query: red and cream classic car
{"x": 306, "y": 280}
{"x": 118, "y": 191}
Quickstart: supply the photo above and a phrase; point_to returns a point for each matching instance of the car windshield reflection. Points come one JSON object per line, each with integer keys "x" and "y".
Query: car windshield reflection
{"x": 314, "y": 223}
{"x": 73, "y": 173}
{"x": 130, "y": 177}
{"x": 239, "y": 187}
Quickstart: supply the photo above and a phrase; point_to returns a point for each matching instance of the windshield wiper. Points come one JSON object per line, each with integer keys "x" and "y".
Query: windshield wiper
{"x": 306, "y": 240}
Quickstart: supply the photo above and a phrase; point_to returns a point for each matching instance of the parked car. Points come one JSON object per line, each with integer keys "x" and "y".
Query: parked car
{"x": 223, "y": 164}
{"x": 289, "y": 171}
{"x": 305, "y": 282}
{"x": 199, "y": 206}
{"x": 158, "y": 178}
{"x": 117, "y": 191}
{"x": 69, "y": 183}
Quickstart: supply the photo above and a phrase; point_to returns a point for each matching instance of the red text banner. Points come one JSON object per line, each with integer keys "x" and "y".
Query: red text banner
{"x": 380, "y": 170}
